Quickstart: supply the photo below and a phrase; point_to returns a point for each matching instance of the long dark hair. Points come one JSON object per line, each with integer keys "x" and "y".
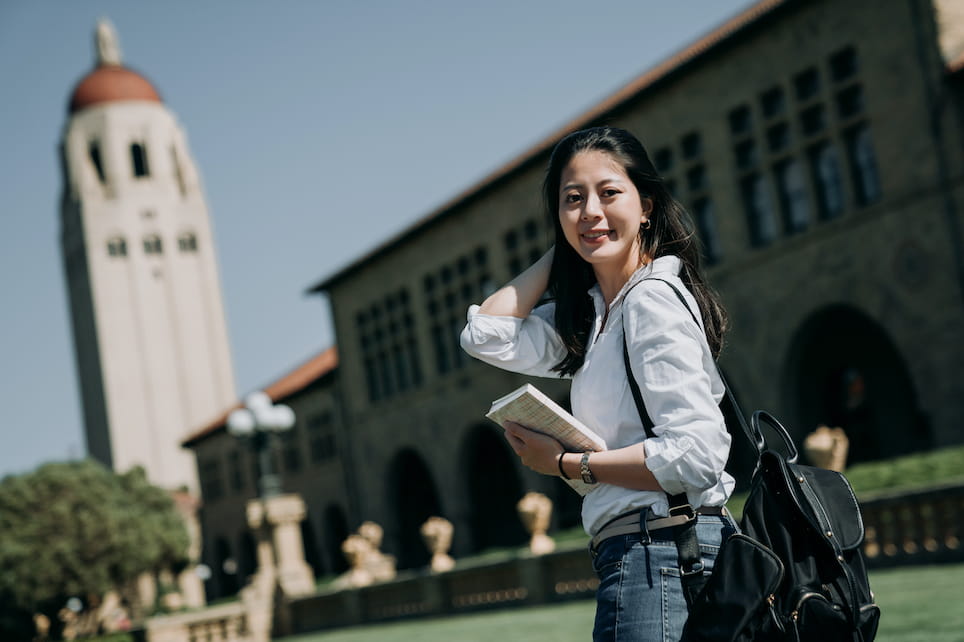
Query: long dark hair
{"x": 670, "y": 232}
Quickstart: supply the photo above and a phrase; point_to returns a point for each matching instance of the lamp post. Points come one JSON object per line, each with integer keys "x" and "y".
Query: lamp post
{"x": 259, "y": 421}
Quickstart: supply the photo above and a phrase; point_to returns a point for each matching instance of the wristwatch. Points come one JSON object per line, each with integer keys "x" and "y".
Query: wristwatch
{"x": 587, "y": 475}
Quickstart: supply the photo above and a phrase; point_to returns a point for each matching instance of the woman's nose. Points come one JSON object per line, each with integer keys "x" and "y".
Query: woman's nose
{"x": 592, "y": 208}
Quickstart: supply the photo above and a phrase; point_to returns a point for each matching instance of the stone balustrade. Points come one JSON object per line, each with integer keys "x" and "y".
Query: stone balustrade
{"x": 219, "y": 623}
{"x": 917, "y": 527}
{"x": 525, "y": 580}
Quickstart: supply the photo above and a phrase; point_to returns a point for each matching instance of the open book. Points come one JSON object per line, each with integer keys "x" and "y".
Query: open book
{"x": 530, "y": 407}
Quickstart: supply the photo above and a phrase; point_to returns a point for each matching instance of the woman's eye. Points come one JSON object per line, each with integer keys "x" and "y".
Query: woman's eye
{"x": 573, "y": 198}
{"x": 609, "y": 193}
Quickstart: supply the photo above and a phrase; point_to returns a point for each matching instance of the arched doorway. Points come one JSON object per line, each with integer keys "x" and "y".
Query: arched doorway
{"x": 493, "y": 489}
{"x": 336, "y": 532}
{"x": 310, "y": 545}
{"x": 248, "y": 558}
{"x": 415, "y": 500}
{"x": 843, "y": 370}
{"x": 226, "y": 568}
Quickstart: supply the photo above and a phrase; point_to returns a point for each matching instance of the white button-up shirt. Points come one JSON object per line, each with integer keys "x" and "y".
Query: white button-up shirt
{"x": 673, "y": 366}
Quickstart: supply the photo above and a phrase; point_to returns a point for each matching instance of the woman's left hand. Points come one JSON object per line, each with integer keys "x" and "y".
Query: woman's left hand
{"x": 537, "y": 451}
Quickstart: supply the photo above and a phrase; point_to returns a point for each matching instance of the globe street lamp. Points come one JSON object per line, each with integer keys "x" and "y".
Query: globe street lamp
{"x": 259, "y": 421}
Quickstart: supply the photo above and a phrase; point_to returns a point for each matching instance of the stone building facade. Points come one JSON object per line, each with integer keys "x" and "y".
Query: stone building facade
{"x": 818, "y": 145}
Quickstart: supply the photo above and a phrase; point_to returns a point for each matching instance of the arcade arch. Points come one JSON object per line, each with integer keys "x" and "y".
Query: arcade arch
{"x": 493, "y": 489}
{"x": 335, "y": 533}
{"x": 414, "y": 499}
{"x": 842, "y": 369}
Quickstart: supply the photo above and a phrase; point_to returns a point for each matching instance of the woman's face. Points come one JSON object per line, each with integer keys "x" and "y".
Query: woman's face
{"x": 600, "y": 211}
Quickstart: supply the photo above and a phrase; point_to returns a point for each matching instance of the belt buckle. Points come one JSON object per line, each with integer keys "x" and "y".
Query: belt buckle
{"x": 683, "y": 510}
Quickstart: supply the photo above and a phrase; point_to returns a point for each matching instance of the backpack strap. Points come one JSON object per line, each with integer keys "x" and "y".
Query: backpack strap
{"x": 687, "y": 543}
{"x": 755, "y": 439}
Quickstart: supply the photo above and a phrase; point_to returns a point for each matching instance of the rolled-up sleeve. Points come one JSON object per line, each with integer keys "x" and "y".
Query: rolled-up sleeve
{"x": 681, "y": 389}
{"x": 528, "y": 346}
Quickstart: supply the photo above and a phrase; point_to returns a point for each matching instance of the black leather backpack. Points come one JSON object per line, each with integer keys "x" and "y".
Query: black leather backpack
{"x": 795, "y": 572}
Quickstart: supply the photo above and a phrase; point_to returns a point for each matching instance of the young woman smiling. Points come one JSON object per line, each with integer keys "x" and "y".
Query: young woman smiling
{"x": 621, "y": 244}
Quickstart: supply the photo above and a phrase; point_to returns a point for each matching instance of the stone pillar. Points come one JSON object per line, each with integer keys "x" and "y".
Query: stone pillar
{"x": 264, "y": 577}
{"x": 189, "y": 583}
{"x": 258, "y": 595}
{"x": 277, "y": 521}
{"x": 285, "y": 514}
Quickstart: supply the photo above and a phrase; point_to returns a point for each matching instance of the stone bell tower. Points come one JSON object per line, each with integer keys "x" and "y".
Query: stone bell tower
{"x": 150, "y": 336}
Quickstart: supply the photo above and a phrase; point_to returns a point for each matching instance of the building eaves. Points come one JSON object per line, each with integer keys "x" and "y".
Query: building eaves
{"x": 289, "y": 384}
{"x": 720, "y": 35}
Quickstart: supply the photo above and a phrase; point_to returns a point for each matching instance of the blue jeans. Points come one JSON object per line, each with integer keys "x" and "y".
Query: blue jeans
{"x": 640, "y": 598}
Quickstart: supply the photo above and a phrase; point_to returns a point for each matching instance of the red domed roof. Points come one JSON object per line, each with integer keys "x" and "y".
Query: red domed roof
{"x": 111, "y": 83}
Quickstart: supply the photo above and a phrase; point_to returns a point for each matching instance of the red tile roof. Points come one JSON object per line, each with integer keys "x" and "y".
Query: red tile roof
{"x": 295, "y": 381}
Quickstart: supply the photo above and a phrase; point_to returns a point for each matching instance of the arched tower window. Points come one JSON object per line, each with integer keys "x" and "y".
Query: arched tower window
{"x": 139, "y": 160}
{"x": 94, "y": 151}
{"x": 116, "y": 246}
{"x": 152, "y": 244}
{"x": 178, "y": 172}
{"x": 187, "y": 242}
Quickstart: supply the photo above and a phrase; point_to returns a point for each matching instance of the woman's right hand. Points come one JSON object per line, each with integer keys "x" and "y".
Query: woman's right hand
{"x": 517, "y": 297}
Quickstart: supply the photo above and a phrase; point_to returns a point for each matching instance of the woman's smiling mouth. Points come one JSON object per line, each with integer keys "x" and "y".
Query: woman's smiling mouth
{"x": 593, "y": 235}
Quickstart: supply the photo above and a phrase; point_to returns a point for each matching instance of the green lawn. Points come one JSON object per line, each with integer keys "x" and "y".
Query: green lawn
{"x": 919, "y": 604}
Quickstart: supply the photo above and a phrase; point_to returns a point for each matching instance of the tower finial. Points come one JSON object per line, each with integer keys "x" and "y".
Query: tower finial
{"x": 108, "y": 48}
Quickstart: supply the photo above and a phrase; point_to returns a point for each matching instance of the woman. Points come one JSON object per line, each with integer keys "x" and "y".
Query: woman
{"x": 618, "y": 230}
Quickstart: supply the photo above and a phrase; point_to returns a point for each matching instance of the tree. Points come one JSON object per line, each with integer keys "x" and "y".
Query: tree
{"x": 75, "y": 529}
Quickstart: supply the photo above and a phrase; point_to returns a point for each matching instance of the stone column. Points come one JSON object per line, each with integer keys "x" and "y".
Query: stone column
{"x": 264, "y": 577}
{"x": 189, "y": 583}
{"x": 282, "y": 516}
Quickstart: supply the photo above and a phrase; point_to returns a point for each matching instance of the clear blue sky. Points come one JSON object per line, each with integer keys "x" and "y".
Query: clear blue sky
{"x": 320, "y": 128}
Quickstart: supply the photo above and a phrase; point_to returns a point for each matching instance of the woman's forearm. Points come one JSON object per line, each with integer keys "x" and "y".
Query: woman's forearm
{"x": 624, "y": 467}
{"x": 520, "y": 295}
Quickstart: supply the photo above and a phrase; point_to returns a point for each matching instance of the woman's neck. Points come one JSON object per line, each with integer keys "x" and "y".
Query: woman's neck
{"x": 611, "y": 281}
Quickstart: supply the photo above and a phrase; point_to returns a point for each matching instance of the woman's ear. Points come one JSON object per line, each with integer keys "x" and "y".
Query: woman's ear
{"x": 647, "y": 205}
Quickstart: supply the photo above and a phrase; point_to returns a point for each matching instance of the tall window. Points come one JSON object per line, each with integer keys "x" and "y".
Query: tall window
{"x": 759, "y": 210}
{"x": 740, "y": 122}
{"x": 448, "y": 293}
{"x": 321, "y": 436}
{"x": 187, "y": 242}
{"x": 234, "y": 471}
{"x": 292, "y": 450}
{"x": 863, "y": 164}
{"x": 389, "y": 350}
{"x": 94, "y": 151}
{"x": 212, "y": 486}
{"x": 772, "y": 102}
{"x": 116, "y": 246}
{"x": 709, "y": 234}
{"x": 523, "y": 245}
{"x": 828, "y": 177}
{"x": 793, "y": 196}
{"x": 139, "y": 160}
{"x": 178, "y": 174}
{"x": 806, "y": 84}
{"x": 691, "y": 145}
{"x": 152, "y": 244}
